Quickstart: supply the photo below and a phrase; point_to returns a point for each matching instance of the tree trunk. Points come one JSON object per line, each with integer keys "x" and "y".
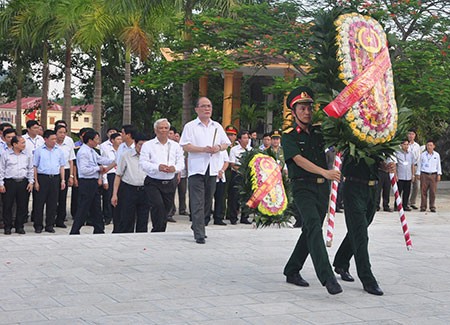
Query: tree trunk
{"x": 187, "y": 86}
{"x": 45, "y": 83}
{"x": 97, "y": 113}
{"x": 67, "y": 115}
{"x": 126, "y": 118}
{"x": 19, "y": 101}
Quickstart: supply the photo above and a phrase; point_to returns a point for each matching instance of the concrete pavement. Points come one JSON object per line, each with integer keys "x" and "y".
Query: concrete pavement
{"x": 236, "y": 278}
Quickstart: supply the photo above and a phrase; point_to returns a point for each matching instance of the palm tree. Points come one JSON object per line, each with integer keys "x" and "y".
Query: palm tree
{"x": 18, "y": 49}
{"x": 95, "y": 25}
{"x": 186, "y": 8}
{"x": 67, "y": 15}
{"x": 34, "y": 24}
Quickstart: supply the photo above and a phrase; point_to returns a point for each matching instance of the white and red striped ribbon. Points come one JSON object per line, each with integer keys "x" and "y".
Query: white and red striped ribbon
{"x": 401, "y": 212}
{"x": 332, "y": 203}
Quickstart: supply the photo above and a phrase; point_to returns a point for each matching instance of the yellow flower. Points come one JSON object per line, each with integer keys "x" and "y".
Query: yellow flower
{"x": 362, "y": 136}
{"x": 356, "y": 133}
{"x": 353, "y": 125}
{"x": 370, "y": 139}
{"x": 341, "y": 76}
{"x": 350, "y": 116}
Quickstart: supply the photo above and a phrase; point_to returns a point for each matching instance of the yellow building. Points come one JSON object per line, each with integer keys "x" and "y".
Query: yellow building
{"x": 81, "y": 115}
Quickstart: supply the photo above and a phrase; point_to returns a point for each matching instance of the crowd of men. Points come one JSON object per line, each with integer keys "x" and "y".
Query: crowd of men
{"x": 130, "y": 178}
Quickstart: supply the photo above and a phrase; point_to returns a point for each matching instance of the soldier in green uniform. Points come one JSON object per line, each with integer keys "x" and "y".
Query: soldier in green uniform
{"x": 275, "y": 150}
{"x": 360, "y": 201}
{"x": 307, "y": 169}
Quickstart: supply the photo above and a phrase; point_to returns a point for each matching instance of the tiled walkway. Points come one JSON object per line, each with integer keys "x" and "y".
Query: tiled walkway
{"x": 236, "y": 278}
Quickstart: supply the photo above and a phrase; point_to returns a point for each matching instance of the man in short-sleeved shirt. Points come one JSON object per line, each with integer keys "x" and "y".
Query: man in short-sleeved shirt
{"x": 202, "y": 138}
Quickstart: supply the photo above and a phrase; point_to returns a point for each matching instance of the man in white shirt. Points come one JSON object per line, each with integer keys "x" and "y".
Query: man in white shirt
{"x": 415, "y": 149}
{"x": 405, "y": 172}
{"x": 109, "y": 152}
{"x": 161, "y": 159}
{"x": 430, "y": 175}
{"x": 129, "y": 178}
{"x": 202, "y": 138}
{"x": 32, "y": 138}
{"x": 236, "y": 179}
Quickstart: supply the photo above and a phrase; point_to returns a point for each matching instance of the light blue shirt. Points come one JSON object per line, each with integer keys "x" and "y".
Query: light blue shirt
{"x": 48, "y": 161}
{"x": 88, "y": 161}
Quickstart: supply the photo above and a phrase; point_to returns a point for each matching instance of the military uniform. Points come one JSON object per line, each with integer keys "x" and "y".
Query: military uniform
{"x": 311, "y": 193}
{"x": 360, "y": 201}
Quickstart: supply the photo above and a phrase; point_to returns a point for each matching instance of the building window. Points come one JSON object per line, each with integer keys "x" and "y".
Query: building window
{"x": 52, "y": 120}
{"x": 75, "y": 118}
{"x": 86, "y": 120}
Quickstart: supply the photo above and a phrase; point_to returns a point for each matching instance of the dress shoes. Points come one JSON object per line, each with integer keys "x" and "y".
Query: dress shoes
{"x": 422, "y": 210}
{"x": 50, "y": 230}
{"x": 184, "y": 213}
{"x": 200, "y": 241}
{"x": 7, "y": 231}
{"x": 433, "y": 210}
{"x": 246, "y": 221}
{"x": 233, "y": 222}
{"x": 38, "y": 230}
{"x": 297, "y": 280}
{"x": 373, "y": 289}
{"x": 171, "y": 219}
{"x": 345, "y": 275}
{"x": 333, "y": 287}
{"x": 414, "y": 207}
{"x": 20, "y": 231}
{"x": 407, "y": 208}
{"x": 220, "y": 223}
{"x": 61, "y": 225}
{"x": 388, "y": 210}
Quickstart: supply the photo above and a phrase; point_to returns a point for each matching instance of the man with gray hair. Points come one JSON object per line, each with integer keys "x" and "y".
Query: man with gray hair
{"x": 161, "y": 158}
{"x": 203, "y": 139}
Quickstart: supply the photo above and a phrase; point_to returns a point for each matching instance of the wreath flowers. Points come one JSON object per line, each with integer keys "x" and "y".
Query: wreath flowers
{"x": 360, "y": 40}
{"x": 263, "y": 190}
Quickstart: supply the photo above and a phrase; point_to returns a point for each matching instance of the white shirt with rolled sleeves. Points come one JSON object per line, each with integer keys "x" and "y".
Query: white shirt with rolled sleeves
{"x": 201, "y": 135}
{"x": 109, "y": 152}
{"x": 154, "y": 153}
{"x": 69, "y": 153}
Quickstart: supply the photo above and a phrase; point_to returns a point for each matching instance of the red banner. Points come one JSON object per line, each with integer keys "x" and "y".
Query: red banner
{"x": 360, "y": 86}
{"x": 264, "y": 189}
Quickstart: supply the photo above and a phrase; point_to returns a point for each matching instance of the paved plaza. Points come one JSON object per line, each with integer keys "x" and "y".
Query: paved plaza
{"x": 236, "y": 278}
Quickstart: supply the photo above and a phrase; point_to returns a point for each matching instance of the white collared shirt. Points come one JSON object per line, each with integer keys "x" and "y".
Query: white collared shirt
{"x": 154, "y": 153}
{"x": 69, "y": 153}
{"x": 201, "y": 135}
{"x": 32, "y": 144}
{"x": 236, "y": 153}
{"x": 122, "y": 149}
{"x": 129, "y": 169}
{"x": 405, "y": 162}
{"x": 16, "y": 166}
{"x": 430, "y": 163}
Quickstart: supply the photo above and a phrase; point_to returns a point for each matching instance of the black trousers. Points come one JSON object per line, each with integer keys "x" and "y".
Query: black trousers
{"x": 404, "y": 189}
{"x": 61, "y": 212}
{"x": 49, "y": 187}
{"x": 234, "y": 198}
{"x": 160, "y": 194}
{"x": 182, "y": 188}
{"x": 74, "y": 201}
{"x": 107, "y": 207}
{"x": 135, "y": 208}
{"x": 219, "y": 202}
{"x": 89, "y": 204}
{"x": 16, "y": 191}
{"x": 384, "y": 189}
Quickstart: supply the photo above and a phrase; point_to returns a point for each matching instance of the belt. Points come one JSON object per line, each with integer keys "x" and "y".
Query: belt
{"x": 317, "y": 180}
{"x": 49, "y": 176}
{"x": 18, "y": 180}
{"x": 361, "y": 181}
{"x": 428, "y": 173}
{"x": 162, "y": 181}
{"x": 137, "y": 188}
